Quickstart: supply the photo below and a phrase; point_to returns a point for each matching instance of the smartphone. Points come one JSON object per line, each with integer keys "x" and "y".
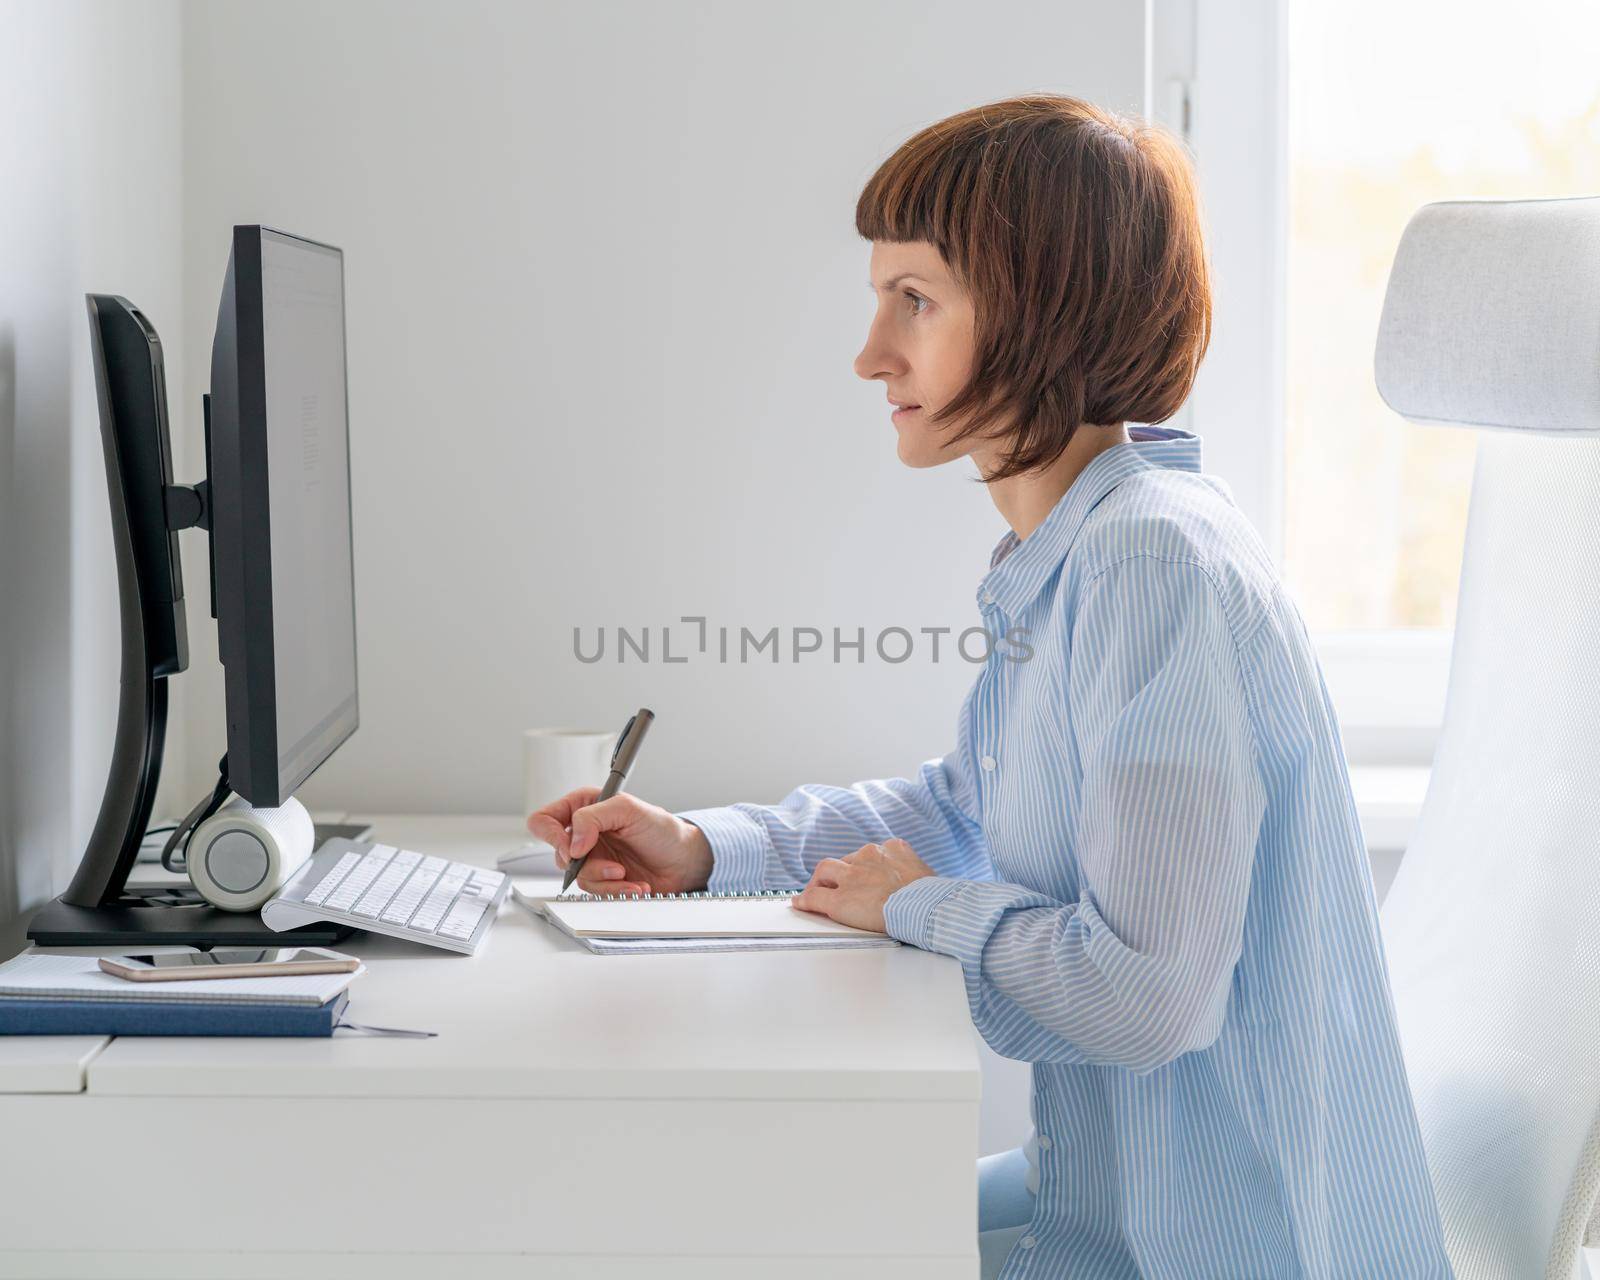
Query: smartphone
{"x": 229, "y": 962}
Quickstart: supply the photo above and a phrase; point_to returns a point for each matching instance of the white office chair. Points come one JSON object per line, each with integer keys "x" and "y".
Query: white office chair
{"x": 1492, "y": 926}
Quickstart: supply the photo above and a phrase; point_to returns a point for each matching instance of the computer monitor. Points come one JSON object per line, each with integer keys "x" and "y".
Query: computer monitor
{"x": 277, "y": 504}
{"x": 130, "y": 378}
{"x": 280, "y": 458}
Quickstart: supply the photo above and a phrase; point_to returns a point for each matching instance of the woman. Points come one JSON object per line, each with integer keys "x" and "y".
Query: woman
{"x": 1143, "y": 850}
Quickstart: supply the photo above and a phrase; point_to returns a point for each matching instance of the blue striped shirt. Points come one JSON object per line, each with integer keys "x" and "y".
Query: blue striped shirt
{"x": 1151, "y": 870}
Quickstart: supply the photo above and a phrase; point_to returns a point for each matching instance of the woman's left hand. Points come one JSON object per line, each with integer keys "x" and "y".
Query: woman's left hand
{"x": 853, "y": 889}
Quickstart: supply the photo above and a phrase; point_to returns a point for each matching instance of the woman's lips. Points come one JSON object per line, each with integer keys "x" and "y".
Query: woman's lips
{"x": 900, "y": 413}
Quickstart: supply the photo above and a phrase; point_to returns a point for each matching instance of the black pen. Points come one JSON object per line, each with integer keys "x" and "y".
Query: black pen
{"x": 622, "y": 758}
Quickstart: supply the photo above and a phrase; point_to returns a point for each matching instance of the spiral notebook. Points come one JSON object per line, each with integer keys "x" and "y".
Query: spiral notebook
{"x": 712, "y": 921}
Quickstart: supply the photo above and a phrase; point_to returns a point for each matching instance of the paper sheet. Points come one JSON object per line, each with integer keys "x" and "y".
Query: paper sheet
{"x": 661, "y": 946}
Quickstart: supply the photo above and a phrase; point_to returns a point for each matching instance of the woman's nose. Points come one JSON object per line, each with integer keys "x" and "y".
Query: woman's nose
{"x": 878, "y": 359}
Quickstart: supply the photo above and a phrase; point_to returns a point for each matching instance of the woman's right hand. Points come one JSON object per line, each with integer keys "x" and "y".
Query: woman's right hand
{"x": 632, "y": 847}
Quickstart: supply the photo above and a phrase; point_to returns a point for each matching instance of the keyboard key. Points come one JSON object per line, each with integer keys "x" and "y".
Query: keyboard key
{"x": 405, "y": 902}
{"x": 375, "y": 899}
{"x": 357, "y": 882}
{"x": 438, "y": 901}
{"x": 464, "y": 917}
{"x": 326, "y": 885}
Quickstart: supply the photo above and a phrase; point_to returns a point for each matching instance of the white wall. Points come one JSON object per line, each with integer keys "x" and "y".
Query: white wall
{"x": 89, "y": 200}
{"x": 604, "y": 291}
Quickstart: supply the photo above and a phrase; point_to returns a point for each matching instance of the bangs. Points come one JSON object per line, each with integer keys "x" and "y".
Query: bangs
{"x": 926, "y": 191}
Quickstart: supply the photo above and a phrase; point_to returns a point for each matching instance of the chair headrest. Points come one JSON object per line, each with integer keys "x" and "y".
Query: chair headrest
{"x": 1492, "y": 316}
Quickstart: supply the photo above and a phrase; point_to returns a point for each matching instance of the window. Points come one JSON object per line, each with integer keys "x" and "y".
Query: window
{"x": 1391, "y": 106}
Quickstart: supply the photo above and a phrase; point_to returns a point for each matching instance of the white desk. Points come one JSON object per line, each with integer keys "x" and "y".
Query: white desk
{"x": 775, "y": 1114}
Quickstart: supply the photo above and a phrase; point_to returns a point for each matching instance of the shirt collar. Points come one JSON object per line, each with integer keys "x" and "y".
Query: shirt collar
{"x": 1020, "y": 567}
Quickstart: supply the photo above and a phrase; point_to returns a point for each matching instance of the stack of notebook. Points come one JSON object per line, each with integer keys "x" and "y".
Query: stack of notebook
{"x": 45, "y": 995}
{"x": 761, "y": 921}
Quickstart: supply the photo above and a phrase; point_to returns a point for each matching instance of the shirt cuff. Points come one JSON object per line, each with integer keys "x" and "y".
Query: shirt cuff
{"x": 908, "y": 913}
{"x": 954, "y": 917}
{"x": 740, "y": 849}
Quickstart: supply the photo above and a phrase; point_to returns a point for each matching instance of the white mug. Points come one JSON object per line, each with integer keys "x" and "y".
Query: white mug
{"x": 556, "y": 761}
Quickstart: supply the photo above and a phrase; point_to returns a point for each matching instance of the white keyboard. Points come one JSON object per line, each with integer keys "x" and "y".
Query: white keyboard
{"x": 400, "y": 892}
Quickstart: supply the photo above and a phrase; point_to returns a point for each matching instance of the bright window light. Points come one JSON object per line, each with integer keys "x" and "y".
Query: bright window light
{"x": 1392, "y": 106}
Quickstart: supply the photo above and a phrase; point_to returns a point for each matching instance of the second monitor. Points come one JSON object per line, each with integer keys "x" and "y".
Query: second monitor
{"x": 285, "y": 587}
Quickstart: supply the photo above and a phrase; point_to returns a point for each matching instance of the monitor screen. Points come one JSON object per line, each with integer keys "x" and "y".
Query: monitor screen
{"x": 308, "y": 496}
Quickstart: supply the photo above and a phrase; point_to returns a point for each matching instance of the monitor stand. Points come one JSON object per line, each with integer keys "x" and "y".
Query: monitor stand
{"x": 174, "y": 914}
{"x": 133, "y": 922}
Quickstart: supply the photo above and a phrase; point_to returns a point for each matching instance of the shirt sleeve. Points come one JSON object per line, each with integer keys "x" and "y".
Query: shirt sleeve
{"x": 1139, "y": 969}
{"x": 777, "y": 846}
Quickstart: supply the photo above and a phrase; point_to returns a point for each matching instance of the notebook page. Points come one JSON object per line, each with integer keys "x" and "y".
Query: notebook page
{"x": 695, "y": 918}
{"x": 670, "y": 946}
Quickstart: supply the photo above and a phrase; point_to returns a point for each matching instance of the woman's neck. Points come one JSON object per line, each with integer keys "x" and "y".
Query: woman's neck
{"x": 1026, "y": 500}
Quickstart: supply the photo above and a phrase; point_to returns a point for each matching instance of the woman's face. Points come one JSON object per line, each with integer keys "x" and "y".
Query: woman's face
{"x": 919, "y": 346}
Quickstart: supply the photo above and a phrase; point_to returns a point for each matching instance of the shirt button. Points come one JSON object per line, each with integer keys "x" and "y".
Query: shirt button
{"x": 988, "y": 764}
{"x": 1027, "y": 1242}
{"x": 987, "y": 598}
{"x": 1044, "y": 1142}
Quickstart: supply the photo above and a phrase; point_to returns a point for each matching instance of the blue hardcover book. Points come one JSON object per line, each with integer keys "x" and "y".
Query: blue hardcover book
{"x": 26, "y": 1016}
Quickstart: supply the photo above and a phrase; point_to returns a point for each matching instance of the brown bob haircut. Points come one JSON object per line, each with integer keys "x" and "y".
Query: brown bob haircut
{"x": 1078, "y": 234}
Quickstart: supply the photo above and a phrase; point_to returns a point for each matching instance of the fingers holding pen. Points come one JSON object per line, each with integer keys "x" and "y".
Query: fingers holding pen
{"x": 620, "y": 815}
{"x": 601, "y": 876}
{"x": 551, "y": 823}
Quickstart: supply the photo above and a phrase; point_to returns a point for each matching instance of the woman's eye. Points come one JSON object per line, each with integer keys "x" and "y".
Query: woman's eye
{"x": 916, "y": 298}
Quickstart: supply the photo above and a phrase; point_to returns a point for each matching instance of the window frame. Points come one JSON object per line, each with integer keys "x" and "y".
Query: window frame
{"x": 1217, "y": 74}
